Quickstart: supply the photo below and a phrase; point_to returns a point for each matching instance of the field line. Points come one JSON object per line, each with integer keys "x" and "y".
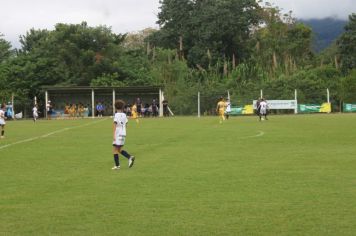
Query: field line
{"x": 50, "y": 134}
{"x": 260, "y": 134}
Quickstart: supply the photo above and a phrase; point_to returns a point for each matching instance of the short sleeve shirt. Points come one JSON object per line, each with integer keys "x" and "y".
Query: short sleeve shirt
{"x": 120, "y": 120}
{"x": 2, "y": 117}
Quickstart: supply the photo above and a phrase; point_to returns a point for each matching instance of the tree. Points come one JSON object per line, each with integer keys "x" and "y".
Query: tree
{"x": 205, "y": 31}
{"x": 5, "y": 49}
{"x": 72, "y": 54}
{"x": 281, "y": 44}
{"x": 5, "y": 55}
{"x": 348, "y": 88}
{"x": 347, "y": 45}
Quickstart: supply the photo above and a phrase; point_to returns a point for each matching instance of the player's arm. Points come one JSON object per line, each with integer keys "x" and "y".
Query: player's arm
{"x": 114, "y": 129}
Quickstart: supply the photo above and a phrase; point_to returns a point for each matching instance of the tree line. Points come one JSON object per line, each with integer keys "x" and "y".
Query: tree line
{"x": 201, "y": 45}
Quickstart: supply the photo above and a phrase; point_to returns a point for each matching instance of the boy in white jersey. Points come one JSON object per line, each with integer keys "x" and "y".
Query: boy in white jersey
{"x": 2, "y": 120}
{"x": 263, "y": 109}
{"x": 228, "y": 108}
{"x": 35, "y": 113}
{"x": 119, "y": 135}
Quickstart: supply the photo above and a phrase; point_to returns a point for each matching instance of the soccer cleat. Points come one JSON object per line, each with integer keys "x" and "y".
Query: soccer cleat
{"x": 116, "y": 168}
{"x": 131, "y": 161}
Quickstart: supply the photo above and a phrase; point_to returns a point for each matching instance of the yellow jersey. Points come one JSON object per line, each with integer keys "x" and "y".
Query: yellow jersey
{"x": 221, "y": 107}
{"x": 134, "y": 111}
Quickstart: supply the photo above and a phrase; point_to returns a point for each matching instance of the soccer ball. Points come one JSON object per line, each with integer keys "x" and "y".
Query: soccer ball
{"x": 262, "y": 118}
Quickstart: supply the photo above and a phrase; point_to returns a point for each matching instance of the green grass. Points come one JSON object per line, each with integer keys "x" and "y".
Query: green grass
{"x": 191, "y": 177}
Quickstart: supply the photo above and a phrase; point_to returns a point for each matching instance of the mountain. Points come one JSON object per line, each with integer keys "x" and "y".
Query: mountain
{"x": 326, "y": 31}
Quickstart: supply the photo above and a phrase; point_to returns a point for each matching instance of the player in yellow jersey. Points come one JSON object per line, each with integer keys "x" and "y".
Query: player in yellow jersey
{"x": 220, "y": 109}
{"x": 134, "y": 113}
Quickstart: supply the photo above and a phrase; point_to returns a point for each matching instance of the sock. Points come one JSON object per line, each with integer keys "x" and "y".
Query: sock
{"x": 125, "y": 154}
{"x": 116, "y": 159}
{"x": 2, "y": 132}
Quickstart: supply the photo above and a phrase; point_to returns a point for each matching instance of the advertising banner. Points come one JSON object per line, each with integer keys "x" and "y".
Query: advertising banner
{"x": 349, "y": 107}
{"x": 279, "y": 104}
{"x": 312, "y": 108}
{"x": 245, "y": 110}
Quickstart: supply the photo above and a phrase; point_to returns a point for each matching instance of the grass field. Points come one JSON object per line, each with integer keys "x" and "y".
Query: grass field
{"x": 291, "y": 175}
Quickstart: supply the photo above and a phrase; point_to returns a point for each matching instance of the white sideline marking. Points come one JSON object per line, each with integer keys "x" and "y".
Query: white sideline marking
{"x": 260, "y": 134}
{"x": 49, "y": 134}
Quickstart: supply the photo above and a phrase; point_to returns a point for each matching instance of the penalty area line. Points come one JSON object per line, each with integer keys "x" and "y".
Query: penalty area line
{"x": 49, "y": 134}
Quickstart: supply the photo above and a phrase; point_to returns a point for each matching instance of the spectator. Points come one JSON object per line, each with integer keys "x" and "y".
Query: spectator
{"x": 81, "y": 110}
{"x": 165, "y": 108}
{"x": 9, "y": 110}
{"x": 139, "y": 106}
{"x": 49, "y": 110}
{"x": 100, "y": 109}
{"x": 154, "y": 108}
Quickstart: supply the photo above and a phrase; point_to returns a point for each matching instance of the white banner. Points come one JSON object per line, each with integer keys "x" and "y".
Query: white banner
{"x": 279, "y": 104}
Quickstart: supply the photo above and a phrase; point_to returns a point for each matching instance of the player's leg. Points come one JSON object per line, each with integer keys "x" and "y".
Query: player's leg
{"x": 116, "y": 151}
{"x": 221, "y": 116}
{"x": 2, "y": 131}
{"x": 129, "y": 157}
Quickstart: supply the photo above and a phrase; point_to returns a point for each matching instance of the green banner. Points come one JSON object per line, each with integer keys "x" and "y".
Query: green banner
{"x": 349, "y": 107}
{"x": 245, "y": 110}
{"x": 312, "y": 108}
{"x": 308, "y": 108}
{"x": 236, "y": 111}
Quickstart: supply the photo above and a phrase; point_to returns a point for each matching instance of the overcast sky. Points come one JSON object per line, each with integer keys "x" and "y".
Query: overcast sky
{"x": 18, "y": 16}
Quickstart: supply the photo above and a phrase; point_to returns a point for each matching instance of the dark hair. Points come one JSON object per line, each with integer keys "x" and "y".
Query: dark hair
{"x": 3, "y": 105}
{"x": 119, "y": 104}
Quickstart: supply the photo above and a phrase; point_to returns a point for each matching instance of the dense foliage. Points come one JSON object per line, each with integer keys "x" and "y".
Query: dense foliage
{"x": 202, "y": 45}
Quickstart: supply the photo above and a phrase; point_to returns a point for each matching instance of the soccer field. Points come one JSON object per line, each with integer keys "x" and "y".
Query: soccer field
{"x": 291, "y": 175}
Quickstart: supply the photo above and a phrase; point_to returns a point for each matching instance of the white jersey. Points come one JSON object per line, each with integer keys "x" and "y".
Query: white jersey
{"x": 35, "y": 111}
{"x": 263, "y": 107}
{"x": 48, "y": 106}
{"x": 120, "y": 121}
{"x": 228, "y": 107}
{"x": 2, "y": 117}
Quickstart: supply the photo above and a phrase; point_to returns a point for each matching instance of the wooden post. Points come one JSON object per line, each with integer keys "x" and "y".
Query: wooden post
{"x": 13, "y": 106}
{"x": 198, "y": 104}
{"x": 160, "y": 103}
{"x": 296, "y": 101}
{"x": 46, "y": 101}
{"x": 113, "y": 101}
{"x": 92, "y": 104}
